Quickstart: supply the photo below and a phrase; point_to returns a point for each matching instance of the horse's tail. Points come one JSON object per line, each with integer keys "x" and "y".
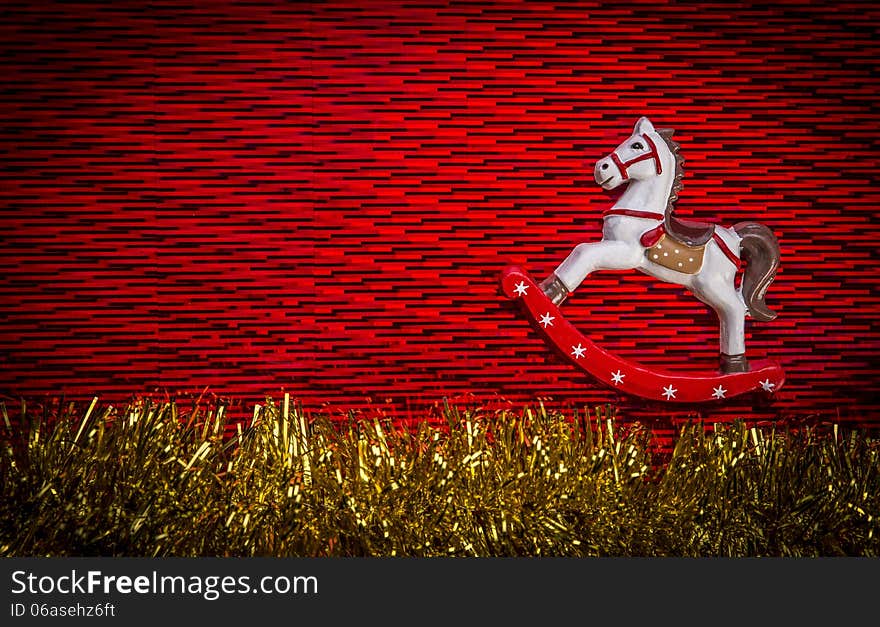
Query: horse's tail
{"x": 760, "y": 251}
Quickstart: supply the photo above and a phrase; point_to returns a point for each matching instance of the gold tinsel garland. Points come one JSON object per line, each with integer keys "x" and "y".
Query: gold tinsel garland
{"x": 147, "y": 481}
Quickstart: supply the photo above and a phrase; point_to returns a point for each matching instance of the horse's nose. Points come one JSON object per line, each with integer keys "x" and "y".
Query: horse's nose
{"x": 603, "y": 172}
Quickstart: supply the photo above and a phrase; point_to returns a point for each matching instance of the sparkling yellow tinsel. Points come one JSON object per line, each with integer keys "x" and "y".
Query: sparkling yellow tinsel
{"x": 153, "y": 480}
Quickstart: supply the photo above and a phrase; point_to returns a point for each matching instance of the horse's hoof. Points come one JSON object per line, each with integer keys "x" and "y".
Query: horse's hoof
{"x": 731, "y": 364}
{"x": 554, "y": 289}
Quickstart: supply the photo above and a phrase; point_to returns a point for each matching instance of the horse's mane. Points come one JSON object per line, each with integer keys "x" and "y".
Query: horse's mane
{"x": 666, "y": 135}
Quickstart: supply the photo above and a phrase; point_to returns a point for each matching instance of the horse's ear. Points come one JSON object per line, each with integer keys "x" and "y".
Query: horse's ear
{"x": 643, "y": 126}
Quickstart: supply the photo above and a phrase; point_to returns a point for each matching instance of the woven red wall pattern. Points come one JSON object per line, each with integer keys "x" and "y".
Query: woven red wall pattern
{"x": 263, "y": 196}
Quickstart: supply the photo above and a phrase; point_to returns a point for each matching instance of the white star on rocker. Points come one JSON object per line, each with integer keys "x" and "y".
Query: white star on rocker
{"x": 719, "y": 392}
{"x": 521, "y": 288}
{"x": 547, "y": 320}
{"x": 768, "y": 387}
{"x": 669, "y": 392}
{"x": 578, "y": 351}
{"x": 617, "y": 377}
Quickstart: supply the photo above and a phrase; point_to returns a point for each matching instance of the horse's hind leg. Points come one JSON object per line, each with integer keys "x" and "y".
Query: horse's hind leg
{"x": 585, "y": 259}
{"x": 727, "y": 303}
{"x": 732, "y": 319}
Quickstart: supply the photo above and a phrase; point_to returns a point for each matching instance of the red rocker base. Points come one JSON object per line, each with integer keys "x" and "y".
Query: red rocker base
{"x": 628, "y": 376}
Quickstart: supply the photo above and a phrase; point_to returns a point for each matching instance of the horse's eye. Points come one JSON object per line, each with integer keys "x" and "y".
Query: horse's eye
{"x": 637, "y": 146}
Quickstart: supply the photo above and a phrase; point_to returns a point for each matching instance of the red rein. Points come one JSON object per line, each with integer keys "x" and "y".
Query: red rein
{"x": 622, "y": 166}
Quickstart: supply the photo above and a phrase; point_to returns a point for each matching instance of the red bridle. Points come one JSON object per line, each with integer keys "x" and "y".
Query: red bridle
{"x": 622, "y": 167}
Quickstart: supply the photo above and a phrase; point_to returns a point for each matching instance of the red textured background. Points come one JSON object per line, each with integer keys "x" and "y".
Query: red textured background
{"x": 265, "y": 196}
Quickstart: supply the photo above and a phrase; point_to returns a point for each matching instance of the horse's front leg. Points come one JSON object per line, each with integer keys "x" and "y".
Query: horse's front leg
{"x": 585, "y": 259}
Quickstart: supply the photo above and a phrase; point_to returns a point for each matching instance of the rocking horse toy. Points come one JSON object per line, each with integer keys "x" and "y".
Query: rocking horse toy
{"x": 728, "y": 269}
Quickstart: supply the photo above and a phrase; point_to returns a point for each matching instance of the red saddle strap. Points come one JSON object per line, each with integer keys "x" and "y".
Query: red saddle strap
{"x": 649, "y": 238}
{"x": 737, "y": 280}
{"x": 633, "y": 213}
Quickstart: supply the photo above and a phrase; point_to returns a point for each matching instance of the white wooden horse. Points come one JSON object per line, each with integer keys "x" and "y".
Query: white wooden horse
{"x": 640, "y": 232}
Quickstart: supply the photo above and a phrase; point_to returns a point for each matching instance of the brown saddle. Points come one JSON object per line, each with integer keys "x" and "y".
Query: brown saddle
{"x": 688, "y": 232}
{"x": 680, "y": 250}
